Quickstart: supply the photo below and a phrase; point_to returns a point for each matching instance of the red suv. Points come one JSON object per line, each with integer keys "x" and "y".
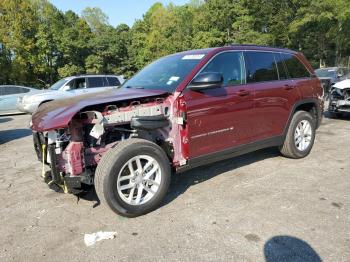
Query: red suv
{"x": 181, "y": 111}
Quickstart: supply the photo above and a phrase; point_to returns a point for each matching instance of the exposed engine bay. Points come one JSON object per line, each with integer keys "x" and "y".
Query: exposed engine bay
{"x": 73, "y": 152}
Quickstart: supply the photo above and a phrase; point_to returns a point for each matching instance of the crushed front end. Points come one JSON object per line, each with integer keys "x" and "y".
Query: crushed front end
{"x": 339, "y": 100}
{"x": 73, "y": 152}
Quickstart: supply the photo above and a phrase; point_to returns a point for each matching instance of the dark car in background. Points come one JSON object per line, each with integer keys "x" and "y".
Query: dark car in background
{"x": 331, "y": 75}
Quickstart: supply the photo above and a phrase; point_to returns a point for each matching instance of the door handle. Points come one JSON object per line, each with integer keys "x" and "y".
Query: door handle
{"x": 288, "y": 87}
{"x": 243, "y": 92}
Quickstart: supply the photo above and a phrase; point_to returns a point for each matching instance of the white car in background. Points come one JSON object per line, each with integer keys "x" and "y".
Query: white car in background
{"x": 9, "y": 95}
{"x": 69, "y": 87}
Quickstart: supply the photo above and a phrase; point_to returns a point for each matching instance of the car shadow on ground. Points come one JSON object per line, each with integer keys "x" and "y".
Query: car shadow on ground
{"x": 5, "y": 119}
{"x": 181, "y": 182}
{"x": 343, "y": 116}
{"x": 288, "y": 248}
{"x": 9, "y": 135}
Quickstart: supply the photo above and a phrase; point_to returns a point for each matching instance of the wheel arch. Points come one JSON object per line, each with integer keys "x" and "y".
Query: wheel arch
{"x": 45, "y": 101}
{"x": 310, "y": 105}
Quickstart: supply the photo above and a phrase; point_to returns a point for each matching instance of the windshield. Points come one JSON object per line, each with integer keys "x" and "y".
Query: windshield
{"x": 165, "y": 73}
{"x": 58, "y": 84}
{"x": 325, "y": 72}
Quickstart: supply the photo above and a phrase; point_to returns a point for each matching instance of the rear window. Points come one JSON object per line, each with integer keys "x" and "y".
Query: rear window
{"x": 261, "y": 67}
{"x": 295, "y": 68}
{"x": 95, "y": 82}
{"x": 113, "y": 81}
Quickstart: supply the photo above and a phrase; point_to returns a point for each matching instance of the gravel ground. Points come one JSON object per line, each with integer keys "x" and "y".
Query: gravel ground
{"x": 256, "y": 207}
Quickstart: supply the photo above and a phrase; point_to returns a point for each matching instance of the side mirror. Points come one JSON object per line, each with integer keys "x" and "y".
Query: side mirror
{"x": 206, "y": 81}
{"x": 66, "y": 88}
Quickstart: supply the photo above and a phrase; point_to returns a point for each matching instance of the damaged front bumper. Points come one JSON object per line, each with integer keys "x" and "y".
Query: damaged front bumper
{"x": 339, "y": 100}
{"x": 47, "y": 155}
{"x": 339, "y": 106}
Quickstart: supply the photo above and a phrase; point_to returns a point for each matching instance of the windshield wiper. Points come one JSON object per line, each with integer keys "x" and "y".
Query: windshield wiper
{"x": 136, "y": 87}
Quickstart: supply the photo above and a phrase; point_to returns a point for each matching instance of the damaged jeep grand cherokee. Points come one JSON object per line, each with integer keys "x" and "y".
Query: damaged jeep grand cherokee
{"x": 181, "y": 111}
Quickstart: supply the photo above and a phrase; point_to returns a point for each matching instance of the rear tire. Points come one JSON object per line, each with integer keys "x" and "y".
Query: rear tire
{"x": 133, "y": 178}
{"x": 300, "y": 136}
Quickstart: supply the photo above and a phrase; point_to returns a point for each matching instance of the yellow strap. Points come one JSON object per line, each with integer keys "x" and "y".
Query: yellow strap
{"x": 43, "y": 147}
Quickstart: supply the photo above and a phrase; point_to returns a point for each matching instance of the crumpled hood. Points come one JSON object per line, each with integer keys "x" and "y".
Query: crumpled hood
{"x": 58, "y": 113}
{"x": 343, "y": 84}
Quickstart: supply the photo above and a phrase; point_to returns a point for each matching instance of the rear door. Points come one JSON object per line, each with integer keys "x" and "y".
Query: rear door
{"x": 275, "y": 93}
{"x": 300, "y": 77}
{"x": 112, "y": 82}
{"x": 219, "y": 118}
{"x": 96, "y": 84}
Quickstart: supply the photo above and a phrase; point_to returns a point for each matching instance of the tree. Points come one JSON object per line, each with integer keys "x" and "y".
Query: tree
{"x": 18, "y": 27}
{"x": 39, "y": 43}
{"x": 95, "y": 18}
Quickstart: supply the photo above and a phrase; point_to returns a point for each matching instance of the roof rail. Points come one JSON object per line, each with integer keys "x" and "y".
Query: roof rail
{"x": 94, "y": 74}
{"x": 252, "y": 45}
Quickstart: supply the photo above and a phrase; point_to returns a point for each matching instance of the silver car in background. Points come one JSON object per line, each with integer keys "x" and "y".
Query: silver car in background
{"x": 69, "y": 87}
{"x": 9, "y": 94}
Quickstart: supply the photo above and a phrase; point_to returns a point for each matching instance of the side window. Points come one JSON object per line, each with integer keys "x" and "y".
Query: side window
{"x": 282, "y": 72}
{"x": 2, "y": 90}
{"x": 95, "y": 82}
{"x": 347, "y": 73}
{"x": 80, "y": 83}
{"x": 230, "y": 65}
{"x": 71, "y": 84}
{"x": 113, "y": 81}
{"x": 295, "y": 68}
{"x": 105, "y": 82}
{"x": 24, "y": 90}
{"x": 341, "y": 73}
{"x": 12, "y": 90}
{"x": 261, "y": 67}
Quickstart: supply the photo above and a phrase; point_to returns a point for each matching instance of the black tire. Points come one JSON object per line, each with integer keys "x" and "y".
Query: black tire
{"x": 109, "y": 167}
{"x": 289, "y": 149}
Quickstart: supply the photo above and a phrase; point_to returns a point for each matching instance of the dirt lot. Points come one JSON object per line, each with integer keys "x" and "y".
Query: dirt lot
{"x": 254, "y": 207}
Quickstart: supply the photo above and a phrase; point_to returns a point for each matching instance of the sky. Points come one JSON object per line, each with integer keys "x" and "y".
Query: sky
{"x": 118, "y": 11}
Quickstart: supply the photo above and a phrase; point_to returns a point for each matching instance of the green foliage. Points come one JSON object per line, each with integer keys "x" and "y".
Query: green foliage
{"x": 69, "y": 70}
{"x": 39, "y": 43}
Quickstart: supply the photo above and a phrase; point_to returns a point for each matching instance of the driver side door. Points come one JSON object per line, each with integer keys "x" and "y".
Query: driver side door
{"x": 220, "y": 118}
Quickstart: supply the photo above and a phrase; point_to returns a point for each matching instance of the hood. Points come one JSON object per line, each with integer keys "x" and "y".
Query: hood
{"x": 38, "y": 95}
{"x": 58, "y": 113}
{"x": 343, "y": 84}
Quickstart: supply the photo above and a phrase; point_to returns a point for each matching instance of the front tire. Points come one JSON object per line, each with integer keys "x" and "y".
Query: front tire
{"x": 133, "y": 178}
{"x": 300, "y": 136}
